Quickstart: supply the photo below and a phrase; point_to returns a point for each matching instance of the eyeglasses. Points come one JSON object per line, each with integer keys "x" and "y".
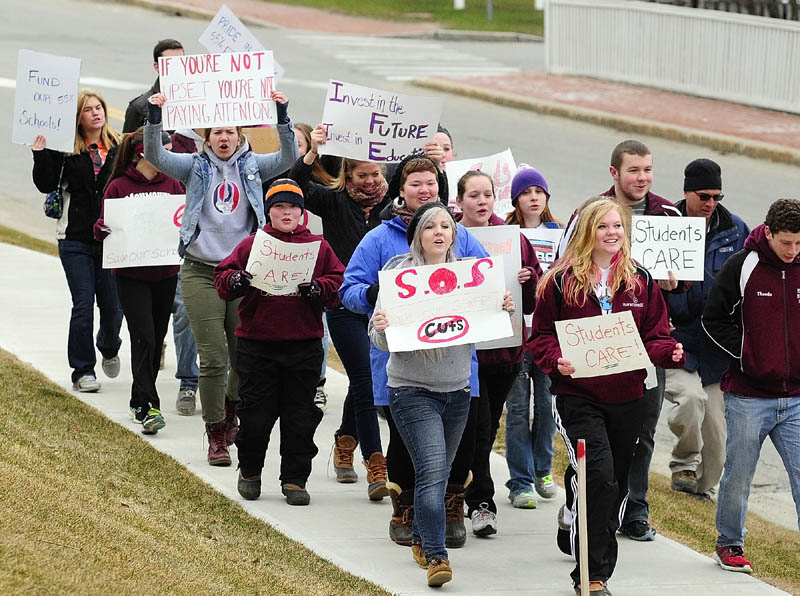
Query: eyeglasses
{"x": 703, "y": 196}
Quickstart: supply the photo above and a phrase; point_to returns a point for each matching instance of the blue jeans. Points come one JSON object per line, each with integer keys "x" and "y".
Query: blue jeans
{"x": 430, "y": 424}
{"x": 359, "y": 417}
{"x": 325, "y": 348}
{"x": 529, "y": 451}
{"x": 87, "y": 280}
{"x": 637, "y": 507}
{"x": 750, "y": 420}
{"x": 185, "y": 348}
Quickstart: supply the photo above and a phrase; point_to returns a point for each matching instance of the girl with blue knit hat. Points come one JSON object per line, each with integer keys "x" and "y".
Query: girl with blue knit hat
{"x": 529, "y": 448}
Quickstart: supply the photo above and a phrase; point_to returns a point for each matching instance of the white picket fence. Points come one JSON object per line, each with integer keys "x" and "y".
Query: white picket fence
{"x": 735, "y": 57}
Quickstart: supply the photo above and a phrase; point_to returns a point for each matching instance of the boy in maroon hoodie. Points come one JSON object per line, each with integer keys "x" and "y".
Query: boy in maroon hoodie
{"x": 753, "y": 314}
{"x": 279, "y": 350}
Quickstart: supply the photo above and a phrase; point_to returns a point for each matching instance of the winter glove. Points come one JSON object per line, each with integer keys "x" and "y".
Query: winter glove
{"x": 153, "y": 113}
{"x": 283, "y": 112}
{"x": 310, "y": 291}
{"x": 239, "y": 281}
{"x": 372, "y": 294}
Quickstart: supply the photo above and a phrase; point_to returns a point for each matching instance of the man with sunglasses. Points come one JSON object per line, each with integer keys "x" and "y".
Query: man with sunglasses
{"x": 697, "y": 417}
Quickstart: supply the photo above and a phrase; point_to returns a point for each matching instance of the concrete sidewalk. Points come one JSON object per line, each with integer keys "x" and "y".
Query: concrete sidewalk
{"x": 341, "y": 524}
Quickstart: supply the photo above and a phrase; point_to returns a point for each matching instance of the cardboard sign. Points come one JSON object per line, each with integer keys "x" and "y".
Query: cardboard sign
{"x": 545, "y": 242}
{"x": 46, "y": 99}
{"x": 602, "y": 345}
{"x": 435, "y": 306}
{"x": 663, "y": 244}
{"x": 374, "y": 125}
{"x": 144, "y": 230}
{"x": 278, "y": 266}
{"x": 226, "y": 33}
{"x": 500, "y": 167}
{"x": 217, "y": 90}
{"x": 503, "y": 242}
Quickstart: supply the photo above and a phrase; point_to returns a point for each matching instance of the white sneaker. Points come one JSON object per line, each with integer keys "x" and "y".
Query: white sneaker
{"x": 111, "y": 367}
{"x": 86, "y": 384}
{"x": 321, "y": 398}
{"x": 484, "y": 521}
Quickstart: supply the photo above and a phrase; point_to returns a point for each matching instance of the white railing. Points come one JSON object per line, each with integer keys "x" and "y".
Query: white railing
{"x": 733, "y": 57}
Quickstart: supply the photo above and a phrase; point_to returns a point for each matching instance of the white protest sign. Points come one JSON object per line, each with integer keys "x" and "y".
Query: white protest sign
{"x": 278, "y": 267}
{"x": 434, "y": 306}
{"x": 500, "y": 167}
{"x": 503, "y": 242}
{"x": 602, "y": 345}
{"x": 226, "y": 33}
{"x": 144, "y": 230}
{"x": 662, "y": 244}
{"x": 545, "y": 242}
{"x": 46, "y": 99}
{"x": 217, "y": 90}
{"x": 374, "y": 125}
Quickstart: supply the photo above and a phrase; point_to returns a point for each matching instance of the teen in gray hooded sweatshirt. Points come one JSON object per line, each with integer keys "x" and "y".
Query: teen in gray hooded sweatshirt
{"x": 224, "y": 205}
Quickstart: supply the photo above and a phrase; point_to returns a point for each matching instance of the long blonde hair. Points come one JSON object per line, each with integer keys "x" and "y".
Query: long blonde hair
{"x": 108, "y": 136}
{"x": 576, "y": 265}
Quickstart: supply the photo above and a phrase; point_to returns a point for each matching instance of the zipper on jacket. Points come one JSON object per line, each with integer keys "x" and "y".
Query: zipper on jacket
{"x": 785, "y": 327}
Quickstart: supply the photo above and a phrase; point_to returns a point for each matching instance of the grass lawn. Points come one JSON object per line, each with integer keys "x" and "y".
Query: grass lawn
{"x": 509, "y": 15}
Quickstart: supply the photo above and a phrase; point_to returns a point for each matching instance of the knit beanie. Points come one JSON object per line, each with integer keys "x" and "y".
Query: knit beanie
{"x": 702, "y": 174}
{"x": 527, "y": 176}
{"x": 414, "y": 222}
{"x": 283, "y": 190}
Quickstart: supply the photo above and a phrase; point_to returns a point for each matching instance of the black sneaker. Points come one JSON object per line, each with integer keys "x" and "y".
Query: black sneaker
{"x": 638, "y": 530}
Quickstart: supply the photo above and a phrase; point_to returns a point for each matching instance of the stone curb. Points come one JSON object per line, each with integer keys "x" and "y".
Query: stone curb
{"x": 184, "y": 10}
{"x": 466, "y": 35}
{"x": 674, "y": 132}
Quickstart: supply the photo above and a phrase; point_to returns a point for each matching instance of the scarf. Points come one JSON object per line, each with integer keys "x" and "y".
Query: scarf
{"x": 367, "y": 200}
{"x": 401, "y": 210}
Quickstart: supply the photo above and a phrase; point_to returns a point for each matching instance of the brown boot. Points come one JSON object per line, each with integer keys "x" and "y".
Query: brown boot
{"x": 376, "y": 476}
{"x": 343, "y": 449}
{"x": 217, "y": 448}
{"x": 402, "y": 514}
{"x": 231, "y": 422}
{"x": 455, "y": 535}
{"x": 439, "y": 572}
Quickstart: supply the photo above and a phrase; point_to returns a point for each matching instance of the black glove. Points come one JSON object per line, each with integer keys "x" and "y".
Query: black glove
{"x": 153, "y": 113}
{"x": 239, "y": 281}
{"x": 372, "y": 294}
{"x": 283, "y": 112}
{"x": 310, "y": 291}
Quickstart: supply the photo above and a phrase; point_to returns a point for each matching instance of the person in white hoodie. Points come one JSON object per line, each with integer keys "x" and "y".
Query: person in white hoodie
{"x": 224, "y": 204}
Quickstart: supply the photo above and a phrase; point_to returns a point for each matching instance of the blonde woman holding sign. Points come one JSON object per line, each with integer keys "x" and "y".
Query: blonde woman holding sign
{"x": 596, "y": 276}
{"x": 429, "y": 395}
{"x": 224, "y": 205}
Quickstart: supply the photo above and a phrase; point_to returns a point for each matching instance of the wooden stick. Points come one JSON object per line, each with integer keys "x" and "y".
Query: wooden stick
{"x": 583, "y": 546}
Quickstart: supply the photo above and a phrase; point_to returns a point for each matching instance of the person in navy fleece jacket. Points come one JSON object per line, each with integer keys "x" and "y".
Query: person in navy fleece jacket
{"x": 279, "y": 350}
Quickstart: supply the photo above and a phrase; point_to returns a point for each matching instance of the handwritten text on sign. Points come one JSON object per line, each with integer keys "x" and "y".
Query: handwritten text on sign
{"x": 374, "y": 125}
{"x": 499, "y": 166}
{"x": 144, "y": 230}
{"x": 544, "y": 242}
{"x": 226, "y": 33}
{"x": 444, "y": 305}
{"x": 46, "y": 99}
{"x": 663, "y": 244}
{"x": 602, "y": 345}
{"x": 217, "y": 90}
{"x": 503, "y": 242}
{"x": 278, "y": 267}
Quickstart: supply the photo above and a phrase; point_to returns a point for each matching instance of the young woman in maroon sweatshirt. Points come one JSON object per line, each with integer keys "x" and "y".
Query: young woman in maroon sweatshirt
{"x": 145, "y": 293}
{"x": 596, "y": 276}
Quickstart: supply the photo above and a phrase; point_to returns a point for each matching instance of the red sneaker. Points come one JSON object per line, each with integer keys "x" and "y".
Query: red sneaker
{"x": 731, "y": 558}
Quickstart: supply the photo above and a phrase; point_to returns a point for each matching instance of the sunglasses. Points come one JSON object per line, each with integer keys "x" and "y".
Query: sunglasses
{"x": 707, "y": 197}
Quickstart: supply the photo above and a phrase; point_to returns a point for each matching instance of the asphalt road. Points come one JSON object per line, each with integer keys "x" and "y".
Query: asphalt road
{"x": 115, "y": 41}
